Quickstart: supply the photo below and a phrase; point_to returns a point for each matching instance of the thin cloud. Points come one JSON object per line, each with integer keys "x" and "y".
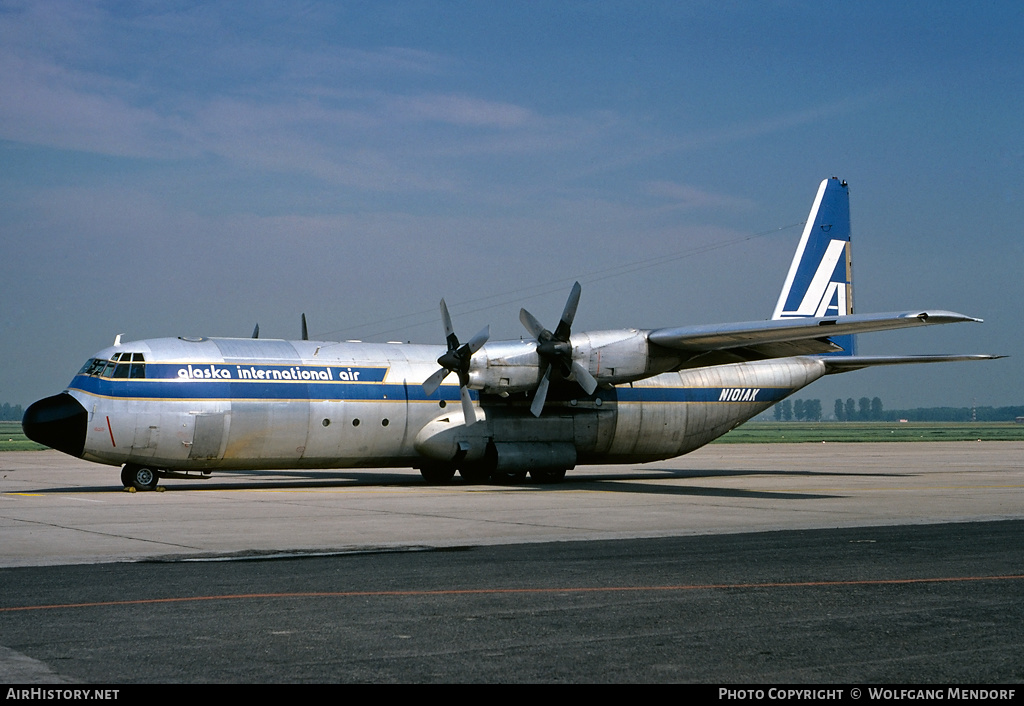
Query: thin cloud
{"x": 686, "y": 197}
{"x": 463, "y": 110}
{"x": 52, "y": 106}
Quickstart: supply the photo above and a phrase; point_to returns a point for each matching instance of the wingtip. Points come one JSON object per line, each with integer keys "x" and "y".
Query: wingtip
{"x": 939, "y": 316}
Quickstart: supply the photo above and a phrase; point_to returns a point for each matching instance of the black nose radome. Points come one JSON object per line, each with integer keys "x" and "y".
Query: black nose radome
{"x": 59, "y": 422}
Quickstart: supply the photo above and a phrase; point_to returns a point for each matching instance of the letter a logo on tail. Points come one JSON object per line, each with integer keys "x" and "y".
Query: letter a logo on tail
{"x": 820, "y": 279}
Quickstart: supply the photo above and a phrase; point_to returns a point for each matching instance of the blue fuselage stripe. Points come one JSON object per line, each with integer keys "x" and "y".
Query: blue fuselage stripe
{"x": 701, "y": 394}
{"x": 255, "y": 389}
{"x": 182, "y": 389}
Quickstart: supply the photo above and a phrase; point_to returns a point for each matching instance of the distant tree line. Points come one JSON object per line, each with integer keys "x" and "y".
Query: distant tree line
{"x": 11, "y": 413}
{"x": 955, "y": 414}
{"x": 800, "y": 410}
{"x": 864, "y": 410}
{"x": 871, "y": 410}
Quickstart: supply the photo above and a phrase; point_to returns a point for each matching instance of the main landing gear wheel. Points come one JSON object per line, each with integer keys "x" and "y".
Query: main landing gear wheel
{"x": 475, "y": 474}
{"x": 139, "y": 477}
{"x": 439, "y": 474}
{"x": 547, "y": 475}
{"x": 508, "y": 477}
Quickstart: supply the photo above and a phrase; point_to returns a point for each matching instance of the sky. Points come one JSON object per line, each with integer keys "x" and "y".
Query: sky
{"x": 193, "y": 168}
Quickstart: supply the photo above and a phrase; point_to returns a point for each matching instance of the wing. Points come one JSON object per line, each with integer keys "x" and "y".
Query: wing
{"x": 717, "y": 344}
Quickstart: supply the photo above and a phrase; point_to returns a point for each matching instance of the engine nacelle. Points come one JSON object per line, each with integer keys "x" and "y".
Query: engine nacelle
{"x": 505, "y": 367}
{"x": 612, "y": 357}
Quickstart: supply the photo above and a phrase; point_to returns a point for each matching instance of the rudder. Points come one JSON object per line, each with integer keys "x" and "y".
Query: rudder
{"x": 820, "y": 279}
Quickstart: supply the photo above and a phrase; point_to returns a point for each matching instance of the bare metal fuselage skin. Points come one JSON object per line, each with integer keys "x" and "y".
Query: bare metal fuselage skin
{"x": 220, "y": 404}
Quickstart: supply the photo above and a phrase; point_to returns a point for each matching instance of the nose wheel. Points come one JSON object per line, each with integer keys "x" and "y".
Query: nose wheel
{"x": 139, "y": 477}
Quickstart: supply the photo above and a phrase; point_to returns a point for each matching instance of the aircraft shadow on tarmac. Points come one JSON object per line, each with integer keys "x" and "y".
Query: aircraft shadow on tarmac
{"x": 625, "y": 482}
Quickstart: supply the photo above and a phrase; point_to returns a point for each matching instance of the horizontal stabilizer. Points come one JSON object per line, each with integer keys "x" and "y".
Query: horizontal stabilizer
{"x": 856, "y": 362}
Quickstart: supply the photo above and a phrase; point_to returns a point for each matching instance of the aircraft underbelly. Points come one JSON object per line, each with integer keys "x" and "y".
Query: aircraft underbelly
{"x": 674, "y": 413}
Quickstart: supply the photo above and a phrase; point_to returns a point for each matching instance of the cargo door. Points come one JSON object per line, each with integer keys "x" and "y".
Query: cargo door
{"x": 208, "y": 436}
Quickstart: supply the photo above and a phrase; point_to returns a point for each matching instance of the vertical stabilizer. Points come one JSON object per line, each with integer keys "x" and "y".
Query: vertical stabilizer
{"x": 820, "y": 279}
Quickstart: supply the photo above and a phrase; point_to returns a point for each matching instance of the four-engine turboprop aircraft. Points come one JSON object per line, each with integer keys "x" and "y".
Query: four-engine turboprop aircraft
{"x": 173, "y": 407}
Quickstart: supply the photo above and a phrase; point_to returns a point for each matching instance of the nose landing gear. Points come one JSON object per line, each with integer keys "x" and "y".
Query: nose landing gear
{"x": 139, "y": 477}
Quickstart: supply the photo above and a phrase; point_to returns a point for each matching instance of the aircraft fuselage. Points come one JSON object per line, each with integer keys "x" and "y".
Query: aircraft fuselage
{"x": 219, "y": 404}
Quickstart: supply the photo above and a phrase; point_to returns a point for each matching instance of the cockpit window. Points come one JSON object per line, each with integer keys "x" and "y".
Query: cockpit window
{"x": 120, "y": 366}
{"x": 93, "y": 367}
{"x": 138, "y": 369}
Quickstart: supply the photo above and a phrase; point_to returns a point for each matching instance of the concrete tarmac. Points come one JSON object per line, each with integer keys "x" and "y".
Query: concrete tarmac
{"x": 855, "y": 563}
{"x": 56, "y": 510}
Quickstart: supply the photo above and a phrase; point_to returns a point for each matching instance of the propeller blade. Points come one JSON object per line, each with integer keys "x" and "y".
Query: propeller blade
{"x": 477, "y": 342}
{"x": 467, "y": 407}
{"x": 431, "y": 384}
{"x": 584, "y": 378}
{"x": 556, "y": 349}
{"x": 535, "y": 327}
{"x": 449, "y": 331}
{"x": 456, "y": 359}
{"x": 568, "y": 313}
{"x": 541, "y": 394}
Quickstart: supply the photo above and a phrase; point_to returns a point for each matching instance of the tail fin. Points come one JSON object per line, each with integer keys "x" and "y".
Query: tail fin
{"x": 820, "y": 279}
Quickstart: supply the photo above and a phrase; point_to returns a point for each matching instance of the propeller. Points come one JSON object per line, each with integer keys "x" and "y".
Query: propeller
{"x": 555, "y": 349}
{"x": 456, "y": 360}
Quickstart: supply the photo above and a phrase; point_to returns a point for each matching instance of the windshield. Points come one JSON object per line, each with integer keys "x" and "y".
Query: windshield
{"x": 120, "y": 365}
